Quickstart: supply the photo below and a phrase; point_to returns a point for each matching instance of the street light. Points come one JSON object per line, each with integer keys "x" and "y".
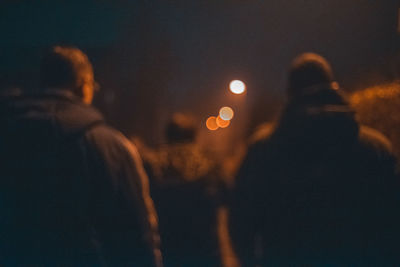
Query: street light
{"x": 237, "y": 87}
{"x": 226, "y": 113}
{"x": 222, "y": 123}
{"x": 211, "y": 123}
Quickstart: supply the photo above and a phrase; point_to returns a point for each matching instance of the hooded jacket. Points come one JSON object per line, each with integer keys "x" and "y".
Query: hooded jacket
{"x": 72, "y": 190}
{"x": 320, "y": 189}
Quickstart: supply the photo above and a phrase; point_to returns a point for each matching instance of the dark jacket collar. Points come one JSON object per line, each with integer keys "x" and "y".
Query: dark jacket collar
{"x": 60, "y": 108}
{"x": 322, "y": 116}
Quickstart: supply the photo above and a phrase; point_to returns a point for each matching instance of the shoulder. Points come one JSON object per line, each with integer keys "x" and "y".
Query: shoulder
{"x": 257, "y": 156}
{"x": 111, "y": 144}
{"x": 105, "y": 136}
{"x": 262, "y": 142}
{"x": 262, "y": 133}
{"x": 110, "y": 154}
{"x": 374, "y": 140}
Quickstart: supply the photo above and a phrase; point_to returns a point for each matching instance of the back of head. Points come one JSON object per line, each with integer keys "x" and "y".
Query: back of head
{"x": 306, "y": 70}
{"x": 181, "y": 128}
{"x": 68, "y": 68}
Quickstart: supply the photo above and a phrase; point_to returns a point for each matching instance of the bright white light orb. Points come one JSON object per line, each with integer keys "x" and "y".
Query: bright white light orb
{"x": 237, "y": 87}
{"x": 226, "y": 113}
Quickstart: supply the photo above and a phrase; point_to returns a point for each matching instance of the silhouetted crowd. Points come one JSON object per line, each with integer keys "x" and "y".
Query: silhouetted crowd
{"x": 315, "y": 188}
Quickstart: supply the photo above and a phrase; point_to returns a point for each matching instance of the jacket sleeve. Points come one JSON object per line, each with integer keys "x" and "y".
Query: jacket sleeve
{"x": 383, "y": 206}
{"x": 243, "y": 212}
{"x": 122, "y": 211}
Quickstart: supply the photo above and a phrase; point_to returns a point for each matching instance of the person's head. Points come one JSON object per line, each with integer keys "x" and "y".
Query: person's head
{"x": 181, "y": 128}
{"x": 309, "y": 69}
{"x": 68, "y": 68}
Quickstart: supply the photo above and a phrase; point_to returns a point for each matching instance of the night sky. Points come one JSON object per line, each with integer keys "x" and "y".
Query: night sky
{"x": 152, "y": 58}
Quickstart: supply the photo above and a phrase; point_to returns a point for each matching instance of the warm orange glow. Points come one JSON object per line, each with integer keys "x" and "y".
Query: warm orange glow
{"x": 226, "y": 113}
{"x": 222, "y": 123}
{"x": 335, "y": 85}
{"x": 237, "y": 87}
{"x": 211, "y": 123}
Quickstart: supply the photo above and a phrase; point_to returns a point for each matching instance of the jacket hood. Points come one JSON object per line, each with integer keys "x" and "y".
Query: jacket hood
{"x": 59, "y": 111}
{"x": 321, "y": 116}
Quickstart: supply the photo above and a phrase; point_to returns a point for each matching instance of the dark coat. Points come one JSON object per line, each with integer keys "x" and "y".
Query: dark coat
{"x": 72, "y": 190}
{"x": 319, "y": 190}
{"x": 186, "y": 186}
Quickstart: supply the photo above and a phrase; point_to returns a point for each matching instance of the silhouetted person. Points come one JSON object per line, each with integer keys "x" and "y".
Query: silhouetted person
{"x": 73, "y": 191}
{"x": 185, "y": 185}
{"x": 320, "y": 189}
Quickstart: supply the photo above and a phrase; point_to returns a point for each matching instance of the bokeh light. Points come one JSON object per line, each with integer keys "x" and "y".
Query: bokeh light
{"x": 222, "y": 123}
{"x": 226, "y": 113}
{"x": 237, "y": 87}
{"x": 211, "y": 123}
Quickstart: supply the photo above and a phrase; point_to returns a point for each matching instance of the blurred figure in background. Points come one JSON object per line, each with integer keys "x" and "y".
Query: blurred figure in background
{"x": 186, "y": 186}
{"x": 73, "y": 191}
{"x": 379, "y": 107}
{"x": 320, "y": 189}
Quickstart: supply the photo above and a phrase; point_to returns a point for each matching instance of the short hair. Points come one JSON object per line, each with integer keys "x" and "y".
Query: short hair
{"x": 308, "y": 69}
{"x": 181, "y": 128}
{"x": 64, "y": 67}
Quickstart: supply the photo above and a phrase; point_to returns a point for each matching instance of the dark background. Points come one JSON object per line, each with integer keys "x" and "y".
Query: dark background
{"x": 152, "y": 58}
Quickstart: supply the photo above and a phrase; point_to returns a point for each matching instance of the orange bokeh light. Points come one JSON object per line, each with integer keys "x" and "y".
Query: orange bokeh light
{"x": 226, "y": 113}
{"x": 211, "y": 123}
{"x": 222, "y": 123}
{"x": 237, "y": 87}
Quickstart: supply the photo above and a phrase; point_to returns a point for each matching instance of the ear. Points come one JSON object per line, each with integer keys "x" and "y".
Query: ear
{"x": 87, "y": 91}
{"x": 335, "y": 85}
